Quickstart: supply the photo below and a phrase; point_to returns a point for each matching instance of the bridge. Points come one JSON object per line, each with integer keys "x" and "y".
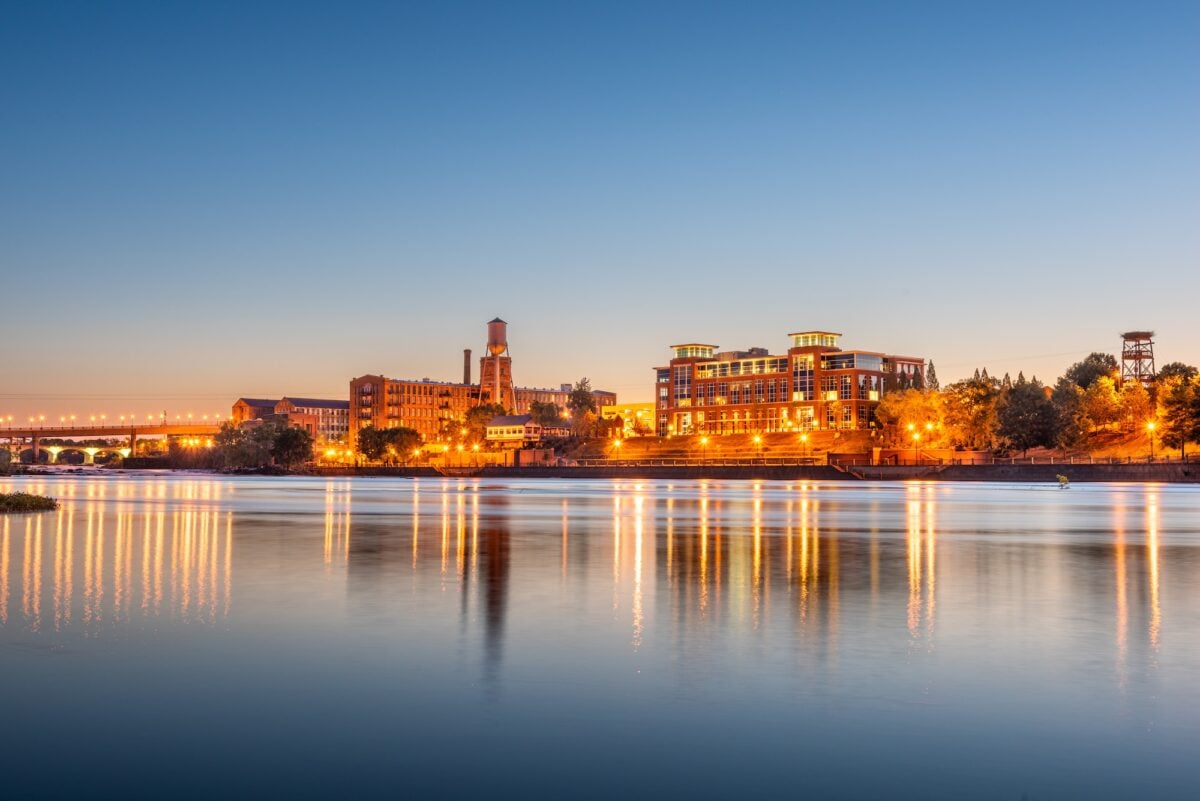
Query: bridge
{"x": 34, "y": 434}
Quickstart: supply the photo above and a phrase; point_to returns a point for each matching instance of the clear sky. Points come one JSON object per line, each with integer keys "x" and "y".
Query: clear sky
{"x": 265, "y": 199}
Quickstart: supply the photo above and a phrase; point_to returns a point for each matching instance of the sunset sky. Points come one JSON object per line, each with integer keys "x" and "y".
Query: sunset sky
{"x": 264, "y": 199}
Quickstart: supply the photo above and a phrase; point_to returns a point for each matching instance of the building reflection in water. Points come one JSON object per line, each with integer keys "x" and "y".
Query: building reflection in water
{"x": 1130, "y": 587}
{"x": 456, "y": 536}
{"x": 695, "y": 556}
{"x": 921, "y": 543}
{"x": 113, "y": 553}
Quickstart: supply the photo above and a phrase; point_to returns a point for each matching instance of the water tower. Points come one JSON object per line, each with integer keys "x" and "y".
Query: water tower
{"x": 495, "y": 369}
{"x": 1137, "y": 357}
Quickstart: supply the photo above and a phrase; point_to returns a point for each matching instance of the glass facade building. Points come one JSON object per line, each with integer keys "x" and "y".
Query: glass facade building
{"x": 815, "y": 385}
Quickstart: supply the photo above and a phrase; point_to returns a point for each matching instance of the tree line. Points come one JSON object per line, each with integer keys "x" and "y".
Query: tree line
{"x": 1001, "y": 414}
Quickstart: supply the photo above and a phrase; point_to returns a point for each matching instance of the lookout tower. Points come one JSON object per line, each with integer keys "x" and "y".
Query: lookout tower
{"x": 495, "y": 369}
{"x": 1137, "y": 357}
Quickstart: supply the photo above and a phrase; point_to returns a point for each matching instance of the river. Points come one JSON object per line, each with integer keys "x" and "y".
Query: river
{"x": 192, "y": 636}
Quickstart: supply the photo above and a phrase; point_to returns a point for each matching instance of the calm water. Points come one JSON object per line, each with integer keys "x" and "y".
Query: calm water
{"x": 188, "y": 636}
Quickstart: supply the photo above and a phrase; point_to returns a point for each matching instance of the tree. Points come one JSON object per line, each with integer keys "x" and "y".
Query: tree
{"x": 1136, "y": 408}
{"x": 546, "y": 414}
{"x": 477, "y": 418}
{"x": 371, "y": 443}
{"x": 241, "y": 447}
{"x": 1085, "y": 373}
{"x": 1179, "y": 413}
{"x": 1067, "y": 399}
{"x": 920, "y": 409}
{"x": 969, "y": 411}
{"x": 252, "y": 446}
{"x": 291, "y": 446}
{"x": 401, "y": 442}
{"x": 581, "y": 399}
{"x": 1176, "y": 369}
{"x": 931, "y": 379}
{"x": 1026, "y": 417}
{"x": 387, "y": 444}
{"x": 1101, "y": 406}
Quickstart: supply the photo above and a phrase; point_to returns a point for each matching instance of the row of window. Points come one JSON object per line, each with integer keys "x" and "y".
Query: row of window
{"x": 768, "y": 420}
{"x": 718, "y": 393}
{"x": 743, "y": 367}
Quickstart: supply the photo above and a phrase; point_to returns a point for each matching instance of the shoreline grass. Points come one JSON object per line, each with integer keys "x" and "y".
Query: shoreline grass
{"x": 18, "y": 502}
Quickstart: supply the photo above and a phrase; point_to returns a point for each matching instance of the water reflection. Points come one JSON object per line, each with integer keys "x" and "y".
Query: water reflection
{"x": 705, "y": 554}
{"x": 130, "y": 565}
{"x": 799, "y": 629}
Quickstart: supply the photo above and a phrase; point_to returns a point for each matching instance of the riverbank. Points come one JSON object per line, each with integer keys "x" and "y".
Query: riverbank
{"x": 1175, "y": 473}
{"x": 1161, "y": 472}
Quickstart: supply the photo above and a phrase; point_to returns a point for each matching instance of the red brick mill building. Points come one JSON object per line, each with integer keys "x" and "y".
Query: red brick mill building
{"x": 814, "y": 386}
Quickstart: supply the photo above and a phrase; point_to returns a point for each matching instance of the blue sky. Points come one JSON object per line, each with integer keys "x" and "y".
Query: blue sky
{"x": 234, "y": 199}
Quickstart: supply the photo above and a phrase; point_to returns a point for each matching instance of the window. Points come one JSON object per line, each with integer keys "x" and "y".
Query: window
{"x": 802, "y": 378}
{"x": 683, "y": 383}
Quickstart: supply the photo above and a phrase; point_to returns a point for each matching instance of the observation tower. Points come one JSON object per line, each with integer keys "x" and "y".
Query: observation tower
{"x": 1137, "y": 357}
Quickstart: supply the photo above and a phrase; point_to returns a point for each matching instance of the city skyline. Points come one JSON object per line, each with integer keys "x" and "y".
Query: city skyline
{"x": 213, "y": 202}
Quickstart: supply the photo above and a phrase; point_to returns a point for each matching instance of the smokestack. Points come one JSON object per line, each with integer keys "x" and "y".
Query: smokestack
{"x": 466, "y": 365}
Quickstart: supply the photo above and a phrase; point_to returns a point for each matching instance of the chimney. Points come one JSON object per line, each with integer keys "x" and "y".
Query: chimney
{"x": 466, "y": 365}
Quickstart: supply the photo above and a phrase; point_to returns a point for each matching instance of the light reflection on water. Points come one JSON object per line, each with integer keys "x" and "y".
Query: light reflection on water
{"x": 785, "y": 611}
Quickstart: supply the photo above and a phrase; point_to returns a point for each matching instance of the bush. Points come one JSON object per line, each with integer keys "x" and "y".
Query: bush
{"x": 24, "y": 502}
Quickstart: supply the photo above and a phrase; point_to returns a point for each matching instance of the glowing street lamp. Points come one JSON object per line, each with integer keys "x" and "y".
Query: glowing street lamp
{"x": 758, "y": 444}
{"x": 703, "y": 449}
{"x": 916, "y": 437}
{"x": 804, "y": 443}
{"x": 1150, "y": 432}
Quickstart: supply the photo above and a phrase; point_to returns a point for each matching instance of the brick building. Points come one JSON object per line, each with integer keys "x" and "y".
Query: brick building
{"x": 326, "y": 420}
{"x": 436, "y": 408}
{"x": 814, "y": 385}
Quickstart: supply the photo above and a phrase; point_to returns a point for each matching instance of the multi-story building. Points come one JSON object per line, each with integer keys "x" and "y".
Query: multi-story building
{"x": 436, "y": 408}
{"x": 325, "y": 420}
{"x": 331, "y": 417}
{"x": 815, "y": 385}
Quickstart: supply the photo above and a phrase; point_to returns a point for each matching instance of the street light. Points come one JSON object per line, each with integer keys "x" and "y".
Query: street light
{"x": 758, "y": 444}
{"x": 916, "y": 439}
{"x": 804, "y": 443}
{"x": 704, "y": 449}
{"x": 1150, "y": 432}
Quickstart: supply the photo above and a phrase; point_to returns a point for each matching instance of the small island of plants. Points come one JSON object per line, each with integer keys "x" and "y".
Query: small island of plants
{"x": 25, "y": 502}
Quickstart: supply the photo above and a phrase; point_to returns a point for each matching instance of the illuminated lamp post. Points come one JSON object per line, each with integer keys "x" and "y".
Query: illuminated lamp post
{"x": 758, "y": 445}
{"x": 916, "y": 440}
{"x": 616, "y": 448}
{"x": 804, "y": 444}
{"x": 703, "y": 450}
{"x": 1150, "y": 433}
